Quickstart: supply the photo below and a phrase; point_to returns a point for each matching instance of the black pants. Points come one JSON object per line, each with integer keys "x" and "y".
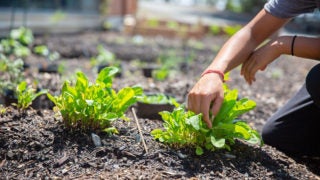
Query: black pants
{"x": 295, "y": 128}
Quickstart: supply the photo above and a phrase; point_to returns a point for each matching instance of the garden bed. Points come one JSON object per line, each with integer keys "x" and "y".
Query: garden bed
{"x": 169, "y": 29}
{"x": 35, "y": 145}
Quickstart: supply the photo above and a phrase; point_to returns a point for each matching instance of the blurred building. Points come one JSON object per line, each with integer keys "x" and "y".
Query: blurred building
{"x": 63, "y": 16}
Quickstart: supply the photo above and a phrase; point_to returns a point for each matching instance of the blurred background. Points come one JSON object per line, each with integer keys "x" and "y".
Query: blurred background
{"x": 65, "y": 16}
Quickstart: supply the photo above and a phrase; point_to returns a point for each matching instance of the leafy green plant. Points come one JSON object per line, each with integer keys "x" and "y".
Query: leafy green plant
{"x": 94, "y": 106}
{"x": 172, "y": 25}
{"x": 58, "y": 16}
{"x": 62, "y": 67}
{"x": 17, "y": 43}
{"x": 161, "y": 74}
{"x": 195, "y": 44}
{"x": 186, "y": 129}
{"x": 44, "y": 51}
{"x": 153, "y": 22}
{"x": 104, "y": 57}
{"x": 3, "y": 109}
{"x": 11, "y": 73}
{"x": 22, "y": 35}
{"x": 158, "y": 98}
{"x": 26, "y": 95}
{"x": 215, "y": 29}
{"x": 169, "y": 59}
{"x": 11, "y": 46}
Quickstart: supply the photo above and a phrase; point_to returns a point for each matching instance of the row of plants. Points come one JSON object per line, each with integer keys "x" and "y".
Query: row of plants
{"x": 14, "y": 50}
{"x": 95, "y": 106}
{"x": 171, "y": 28}
{"x": 13, "y": 64}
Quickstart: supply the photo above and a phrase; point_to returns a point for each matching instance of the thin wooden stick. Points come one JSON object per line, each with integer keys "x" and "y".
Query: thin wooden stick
{"x": 140, "y": 132}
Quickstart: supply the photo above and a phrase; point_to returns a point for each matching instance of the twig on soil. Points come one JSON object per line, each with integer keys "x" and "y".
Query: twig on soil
{"x": 140, "y": 132}
{"x": 2, "y": 163}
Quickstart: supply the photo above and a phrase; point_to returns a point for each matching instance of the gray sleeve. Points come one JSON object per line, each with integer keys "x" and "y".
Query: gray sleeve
{"x": 289, "y": 8}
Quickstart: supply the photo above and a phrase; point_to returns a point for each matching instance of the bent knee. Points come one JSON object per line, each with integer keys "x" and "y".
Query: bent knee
{"x": 313, "y": 84}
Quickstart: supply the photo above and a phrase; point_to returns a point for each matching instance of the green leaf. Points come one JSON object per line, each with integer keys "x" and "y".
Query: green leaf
{"x": 241, "y": 132}
{"x": 43, "y": 91}
{"x": 194, "y": 121}
{"x": 82, "y": 82}
{"x": 255, "y": 138}
{"x": 89, "y": 102}
{"x": 227, "y": 106}
{"x": 111, "y": 130}
{"x": 41, "y": 50}
{"x": 106, "y": 74}
{"x": 156, "y": 133}
{"x": 219, "y": 143}
{"x": 125, "y": 98}
{"x": 199, "y": 151}
{"x": 242, "y": 106}
{"x": 22, "y": 86}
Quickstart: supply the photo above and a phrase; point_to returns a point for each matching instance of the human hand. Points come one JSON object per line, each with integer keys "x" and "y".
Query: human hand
{"x": 259, "y": 60}
{"x": 206, "y": 91}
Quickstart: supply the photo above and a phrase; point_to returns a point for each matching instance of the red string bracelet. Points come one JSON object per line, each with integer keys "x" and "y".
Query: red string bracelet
{"x": 214, "y": 71}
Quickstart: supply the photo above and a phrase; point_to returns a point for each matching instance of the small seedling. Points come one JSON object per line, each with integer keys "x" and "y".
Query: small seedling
{"x": 41, "y": 50}
{"x": 26, "y": 95}
{"x": 172, "y": 25}
{"x": 104, "y": 58}
{"x": 161, "y": 74}
{"x": 3, "y": 109}
{"x": 11, "y": 73}
{"x": 22, "y": 35}
{"x": 153, "y": 23}
{"x": 215, "y": 29}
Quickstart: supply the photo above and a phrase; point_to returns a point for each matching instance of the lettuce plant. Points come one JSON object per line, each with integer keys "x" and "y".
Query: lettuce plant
{"x": 184, "y": 128}
{"x": 26, "y": 95}
{"x": 94, "y": 106}
{"x": 22, "y": 35}
{"x": 104, "y": 57}
{"x": 44, "y": 51}
{"x": 17, "y": 43}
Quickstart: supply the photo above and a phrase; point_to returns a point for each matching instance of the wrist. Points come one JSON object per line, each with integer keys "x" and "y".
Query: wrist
{"x": 214, "y": 71}
{"x": 283, "y": 45}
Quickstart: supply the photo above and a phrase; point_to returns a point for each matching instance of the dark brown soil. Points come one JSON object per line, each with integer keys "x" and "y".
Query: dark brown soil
{"x": 35, "y": 145}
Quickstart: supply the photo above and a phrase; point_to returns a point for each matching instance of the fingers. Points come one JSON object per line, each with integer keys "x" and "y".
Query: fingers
{"x": 204, "y": 109}
{"x": 200, "y": 104}
{"x": 217, "y": 104}
{"x": 249, "y": 69}
{"x": 206, "y": 91}
{"x": 193, "y": 103}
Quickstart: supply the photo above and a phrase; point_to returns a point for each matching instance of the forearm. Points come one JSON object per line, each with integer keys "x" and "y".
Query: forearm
{"x": 239, "y": 47}
{"x": 236, "y": 50}
{"x": 307, "y": 47}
